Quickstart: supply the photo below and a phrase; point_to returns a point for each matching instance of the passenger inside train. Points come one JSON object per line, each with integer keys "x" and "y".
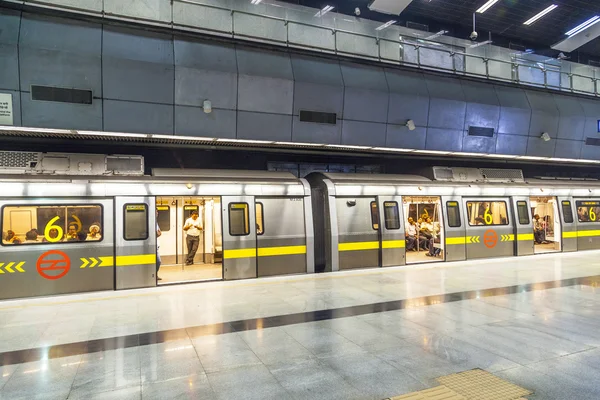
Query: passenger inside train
{"x": 546, "y": 224}
{"x": 424, "y": 237}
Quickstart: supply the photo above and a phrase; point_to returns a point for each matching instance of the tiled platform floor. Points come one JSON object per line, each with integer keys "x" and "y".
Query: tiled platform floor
{"x": 539, "y": 330}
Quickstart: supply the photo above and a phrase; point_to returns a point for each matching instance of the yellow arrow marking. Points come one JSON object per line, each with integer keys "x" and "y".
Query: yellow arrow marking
{"x": 94, "y": 262}
{"x": 19, "y": 265}
{"x": 106, "y": 261}
{"x": 85, "y": 262}
{"x": 9, "y": 267}
{"x": 1, "y": 264}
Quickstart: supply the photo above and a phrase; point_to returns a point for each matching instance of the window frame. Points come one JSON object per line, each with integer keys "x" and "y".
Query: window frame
{"x": 562, "y": 210}
{"x": 375, "y": 224}
{"x": 489, "y": 201}
{"x": 527, "y": 212}
{"x": 169, "y": 211}
{"x": 262, "y": 217}
{"x": 246, "y": 221}
{"x": 65, "y": 205}
{"x": 577, "y": 205}
{"x": 457, "y": 207}
{"x": 147, "y": 207}
{"x": 397, "y": 208}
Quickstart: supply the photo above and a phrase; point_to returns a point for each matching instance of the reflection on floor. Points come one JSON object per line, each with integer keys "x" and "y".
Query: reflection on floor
{"x": 184, "y": 273}
{"x": 421, "y": 257}
{"x": 546, "y": 248}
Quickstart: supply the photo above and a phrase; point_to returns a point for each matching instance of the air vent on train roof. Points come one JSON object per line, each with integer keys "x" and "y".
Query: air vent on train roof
{"x": 456, "y": 174}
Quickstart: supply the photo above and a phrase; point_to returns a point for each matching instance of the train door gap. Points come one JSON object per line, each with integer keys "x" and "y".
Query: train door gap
{"x": 546, "y": 227}
{"x": 424, "y": 229}
{"x": 206, "y": 230}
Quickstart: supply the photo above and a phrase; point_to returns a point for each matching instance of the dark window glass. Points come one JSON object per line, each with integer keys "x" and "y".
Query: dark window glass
{"x": 588, "y": 211}
{"x": 567, "y": 212}
{"x": 392, "y": 215}
{"x": 135, "y": 222}
{"x": 453, "y": 214}
{"x": 164, "y": 218}
{"x": 238, "y": 219}
{"x": 374, "y": 216}
{"x": 47, "y": 224}
{"x": 318, "y": 117}
{"x": 487, "y": 213}
{"x": 61, "y": 95}
{"x": 523, "y": 212}
{"x": 260, "y": 219}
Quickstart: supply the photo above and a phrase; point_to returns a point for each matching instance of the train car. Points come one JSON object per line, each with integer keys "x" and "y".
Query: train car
{"x": 454, "y": 214}
{"x": 65, "y": 234}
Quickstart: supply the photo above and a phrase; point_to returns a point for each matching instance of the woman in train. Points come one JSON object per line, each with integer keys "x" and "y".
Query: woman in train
{"x": 52, "y": 236}
{"x": 94, "y": 232}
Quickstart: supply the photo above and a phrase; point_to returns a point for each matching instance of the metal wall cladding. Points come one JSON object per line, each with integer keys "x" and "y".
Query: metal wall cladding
{"x": 154, "y": 83}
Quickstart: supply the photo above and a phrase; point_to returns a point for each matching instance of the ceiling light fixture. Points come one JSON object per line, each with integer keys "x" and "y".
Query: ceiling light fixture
{"x": 580, "y": 28}
{"x": 387, "y": 24}
{"x": 486, "y": 6}
{"x": 540, "y": 15}
{"x": 324, "y": 11}
{"x": 255, "y": 2}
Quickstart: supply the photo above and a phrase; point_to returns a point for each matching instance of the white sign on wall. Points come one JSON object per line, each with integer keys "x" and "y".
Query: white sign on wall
{"x": 6, "y": 109}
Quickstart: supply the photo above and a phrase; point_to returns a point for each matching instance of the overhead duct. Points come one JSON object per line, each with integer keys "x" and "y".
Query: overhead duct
{"x": 394, "y": 7}
{"x": 455, "y": 174}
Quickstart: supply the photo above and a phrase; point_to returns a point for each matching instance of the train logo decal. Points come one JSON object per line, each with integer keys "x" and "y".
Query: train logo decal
{"x": 490, "y": 238}
{"x": 53, "y": 264}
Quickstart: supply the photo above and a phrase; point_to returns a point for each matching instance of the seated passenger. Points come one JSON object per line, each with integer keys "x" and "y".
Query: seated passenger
{"x": 16, "y": 240}
{"x": 81, "y": 236}
{"x": 31, "y": 236}
{"x": 538, "y": 230}
{"x": 71, "y": 234}
{"x": 411, "y": 235}
{"x": 52, "y": 236}
{"x": 9, "y": 238}
{"x": 479, "y": 221}
{"x": 425, "y": 234}
{"x": 431, "y": 228}
{"x": 94, "y": 232}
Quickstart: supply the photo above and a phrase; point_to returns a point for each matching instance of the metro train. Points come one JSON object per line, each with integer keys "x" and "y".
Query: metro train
{"x": 259, "y": 223}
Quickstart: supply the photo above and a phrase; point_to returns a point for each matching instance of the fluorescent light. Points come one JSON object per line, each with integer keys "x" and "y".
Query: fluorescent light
{"x": 533, "y": 158}
{"x": 397, "y": 150}
{"x": 175, "y": 137}
{"x": 255, "y": 2}
{"x": 500, "y": 156}
{"x": 436, "y": 35}
{"x": 540, "y": 15}
{"x": 387, "y": 24}
{"x": 245, "y": 141}
{"x": 299, "y": 144}
{"x": 113, "y": 134}
{"x": 37, "y": 130}
{"x": 486, "y": 6}
{"x": 324, "y": 11}
{"x": 592, "y": 21}
{"x": 432, "y": 152}
{"x": 465, "y": 154}
{"x": 347, "y": 146}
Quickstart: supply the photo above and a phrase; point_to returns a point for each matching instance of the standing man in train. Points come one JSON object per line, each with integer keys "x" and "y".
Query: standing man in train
{"x": 158, "y": 259}
{"x": 193, "y": 228}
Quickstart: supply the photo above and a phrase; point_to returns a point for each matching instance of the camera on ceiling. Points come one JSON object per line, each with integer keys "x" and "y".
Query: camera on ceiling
{"x": 474, "y": 35}
{"x": 357, "y": 11}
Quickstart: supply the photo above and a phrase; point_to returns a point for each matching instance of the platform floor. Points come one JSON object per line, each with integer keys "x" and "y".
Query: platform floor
{"x": 189, "y": 273}
{"x": 360, "y": 334}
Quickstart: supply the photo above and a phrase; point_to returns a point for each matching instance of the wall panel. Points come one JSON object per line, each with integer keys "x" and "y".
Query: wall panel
{"x": 444, "y": 139}
{"x": 308, "y": 132}
{"x": 128, "y": 116}
{"x": 399, "y": 136}
{"x": 261, "y": 126}
{"x": 363, "y": 133}
{"x": 365, "y": 105}
{"x": 511, "y": 144}
{"x": 194, "y": 86}
{"x": 262, "y": 94}
{"x": 568, "y": 148}
{"x": 193, "y": 121}
{"x": 46, "y": 114}
{"x": 316, "y": 97}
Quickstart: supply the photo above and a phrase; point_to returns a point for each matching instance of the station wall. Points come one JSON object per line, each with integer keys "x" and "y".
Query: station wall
{"x": 154, "y": 83}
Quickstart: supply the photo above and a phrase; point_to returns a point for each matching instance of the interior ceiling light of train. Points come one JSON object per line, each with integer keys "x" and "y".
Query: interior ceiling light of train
{"x": 143, "y": 138}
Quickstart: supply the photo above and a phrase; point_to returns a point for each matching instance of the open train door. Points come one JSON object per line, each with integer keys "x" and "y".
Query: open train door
{"x": 523, "y": 226}
{"x": 239, "y": 237}
{"x": 392, "y": 236}
{"x": 569, "y": 226}
{"x": 135, "y": 242}
{"x": 454, "y": 229}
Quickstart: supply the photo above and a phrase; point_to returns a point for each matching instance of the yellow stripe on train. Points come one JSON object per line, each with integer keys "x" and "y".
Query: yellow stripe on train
{"x": 264, "y": 252}
{"x": 356, "y": 246}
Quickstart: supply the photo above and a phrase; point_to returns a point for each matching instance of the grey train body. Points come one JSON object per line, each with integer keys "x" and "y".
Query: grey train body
{"x": 273, "y": 223}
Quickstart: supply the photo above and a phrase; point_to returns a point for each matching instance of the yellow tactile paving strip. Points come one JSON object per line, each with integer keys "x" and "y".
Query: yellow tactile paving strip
{"x": 475, "y": 384}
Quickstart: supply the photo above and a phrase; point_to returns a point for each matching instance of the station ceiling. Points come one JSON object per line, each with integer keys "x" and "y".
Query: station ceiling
{"x": 504, "y": 19}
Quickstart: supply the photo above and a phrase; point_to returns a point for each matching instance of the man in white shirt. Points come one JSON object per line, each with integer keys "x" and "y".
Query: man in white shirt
{"x": 193, "y": 228}
{"x": 411, "y": 234}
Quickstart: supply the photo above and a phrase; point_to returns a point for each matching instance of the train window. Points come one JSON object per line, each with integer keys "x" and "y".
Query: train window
{"x": 163, "y": 218}
{"x": 567, "y": 212}
{"x": 47, "y": 224}
{"x": 453, "y": 214}
{"x": 391, "y": 215}
{"x": 135, "y": 222}
{"x": 487, "y": 213}
{"x": 588, "y": 211}
{"x": 239, "y": 219}
{"x": 374, "y": 216}
{"x": 260, "y": 219}
{"x": 523, "y": 212}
